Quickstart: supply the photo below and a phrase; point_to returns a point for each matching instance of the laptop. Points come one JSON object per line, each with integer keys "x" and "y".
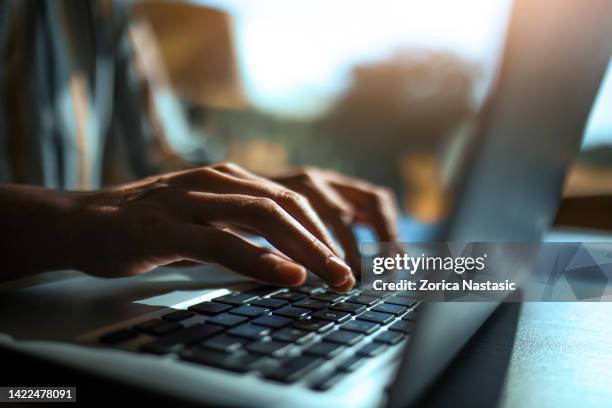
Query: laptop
{"x": 241, "y": 344}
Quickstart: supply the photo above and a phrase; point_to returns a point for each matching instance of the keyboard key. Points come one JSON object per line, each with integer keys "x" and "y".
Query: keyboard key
{"x": 332, "y": 315}
{"x": 236, "y": 299}
{"x": 178, "y": 315}
{"x": 324, "y": 349}
{"x": 389, "y": 308}
{"x": 410, "y": 316}
{"x": 351, "y": 364}
{"x": 292, "y": 335}
{"x": 309, "y": 290}
{"x": 180, "y": 338}
{"x": 157, "y": 327}
{"x": 331, "y": 297}
{"x": 328, "y": 381}
{"x": 292, "y": 312}
{"x": 311, "y": 304}
{"x": 224, "y": 343}
{"x": 377, "y": 317}
{"x": 352, "y": 308}
{"x": 293, "y": 369}
{"x": 361, "y": 326}
{"x": 275, "y": 322}
{"x": 314, "y": 325}
{"x": 389, "y": 337}
{"x": 269, "y": 348}
{"x": 344, "y": 337}
{"x": 263, "y": 290}
{"x": 249, "y": 311}
{"x": 363, "y": 300}
{"x": 238, "y": 362}
{"x": 289, "y": 296}
{"x": 402, "y": 301}
{"x": 210, "y": 308}
{"x": 119, "y": 336}
{"x": 250, "y": 331}
{"x": 269, "y": 303}
{"x": 227, "y": 320}
{"x": 402, "y": 326}
{"x": 372, "y": 349}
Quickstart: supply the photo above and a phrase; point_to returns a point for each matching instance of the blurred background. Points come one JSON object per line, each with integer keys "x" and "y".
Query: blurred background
{"x": 385, "y": 90}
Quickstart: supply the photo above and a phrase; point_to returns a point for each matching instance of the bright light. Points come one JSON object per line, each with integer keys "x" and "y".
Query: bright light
{"x": 296, "y": 56}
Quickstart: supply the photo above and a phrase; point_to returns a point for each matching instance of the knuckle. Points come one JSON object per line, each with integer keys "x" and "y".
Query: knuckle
{"x": 266, "y": 205}
{"x": 293, "y": 198}
{"x": 228, "y": 166}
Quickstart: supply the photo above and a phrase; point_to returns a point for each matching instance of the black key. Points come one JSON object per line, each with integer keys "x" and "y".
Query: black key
{"x": 292, "y": 312}
{"x": 289, "y": 296}
{"x": 250, "y": 331}
{"x": 324, "y": 349}
{"x": 331, "y": 297}
{"x": 269, "y": 303}
{"x": 224, "y": 343}
{"x": 293, "y": 369}
{"x": 361, "y": 326}
{"x": 292, "y": 335}
{"x": 239, "y": 362}
{"x": 352, "y": 308}
{"x": 311, "y": 304}
{"x": 314, "y": 325}
{"x": 275, "y": 322}
{"x": 402, "y": 326}
{"x": 249, "y": 311}
{"x": 269, "y": 348}
{"x": 328, "y": 381}
{"x": 184, "y": 337}
{"x": 389, "y": 337}
{"x": 402, "y": 301}
{"x": 264, "y": 290}
{"x": 363, "y": 300}
{"x": 332, "y": 315}
{"x": 178, "y": 315}
{"x": 344, "y": 337}
{"x": 157, "y": 327}
{"x": 410, "y": 316}
{"x": 209, "y": 308}
{"x": 236, "y": 299}
{"x": 377, "y": 317}
{"x": 118, "y": 336}
{"x": 372, "y": 349}
{"x": 309, "y": 290}
{"x": 351, "y": 364}
{"x": 227, "y": 320}
{"x": 389, "y": 308}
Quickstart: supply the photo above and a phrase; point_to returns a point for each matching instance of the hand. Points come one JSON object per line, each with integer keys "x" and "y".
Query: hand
{"x": 342, "y": 201}
{"x": 195, "y": 215}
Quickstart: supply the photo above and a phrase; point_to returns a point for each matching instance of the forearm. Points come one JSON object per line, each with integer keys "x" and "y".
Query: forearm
{"x": 38, "y": 233}
{"x": 586, "y": 212}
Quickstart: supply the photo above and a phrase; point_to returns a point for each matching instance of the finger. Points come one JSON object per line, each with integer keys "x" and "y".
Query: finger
{"x": 208, "y": 244}
{"x": 336, "y": 212}
{"x": 295, "y": 204}
{"x": 270, "y": 221}
{"x": 376, "y": 204}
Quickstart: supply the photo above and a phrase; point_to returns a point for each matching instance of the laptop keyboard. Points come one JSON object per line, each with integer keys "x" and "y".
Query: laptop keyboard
{"x": 282, "y": 334}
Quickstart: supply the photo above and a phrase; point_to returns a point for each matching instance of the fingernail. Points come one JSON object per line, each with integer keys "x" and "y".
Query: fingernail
{"x": 341, "y": 270}
{"x": 346, "y": 286}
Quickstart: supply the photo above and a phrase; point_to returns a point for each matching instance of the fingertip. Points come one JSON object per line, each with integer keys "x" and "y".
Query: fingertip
{"x": 345, "y": 287}
{"x": 281, "y": 271}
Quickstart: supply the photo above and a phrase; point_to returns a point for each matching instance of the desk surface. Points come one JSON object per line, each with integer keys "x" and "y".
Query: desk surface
{"x": 562, "y": 357}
